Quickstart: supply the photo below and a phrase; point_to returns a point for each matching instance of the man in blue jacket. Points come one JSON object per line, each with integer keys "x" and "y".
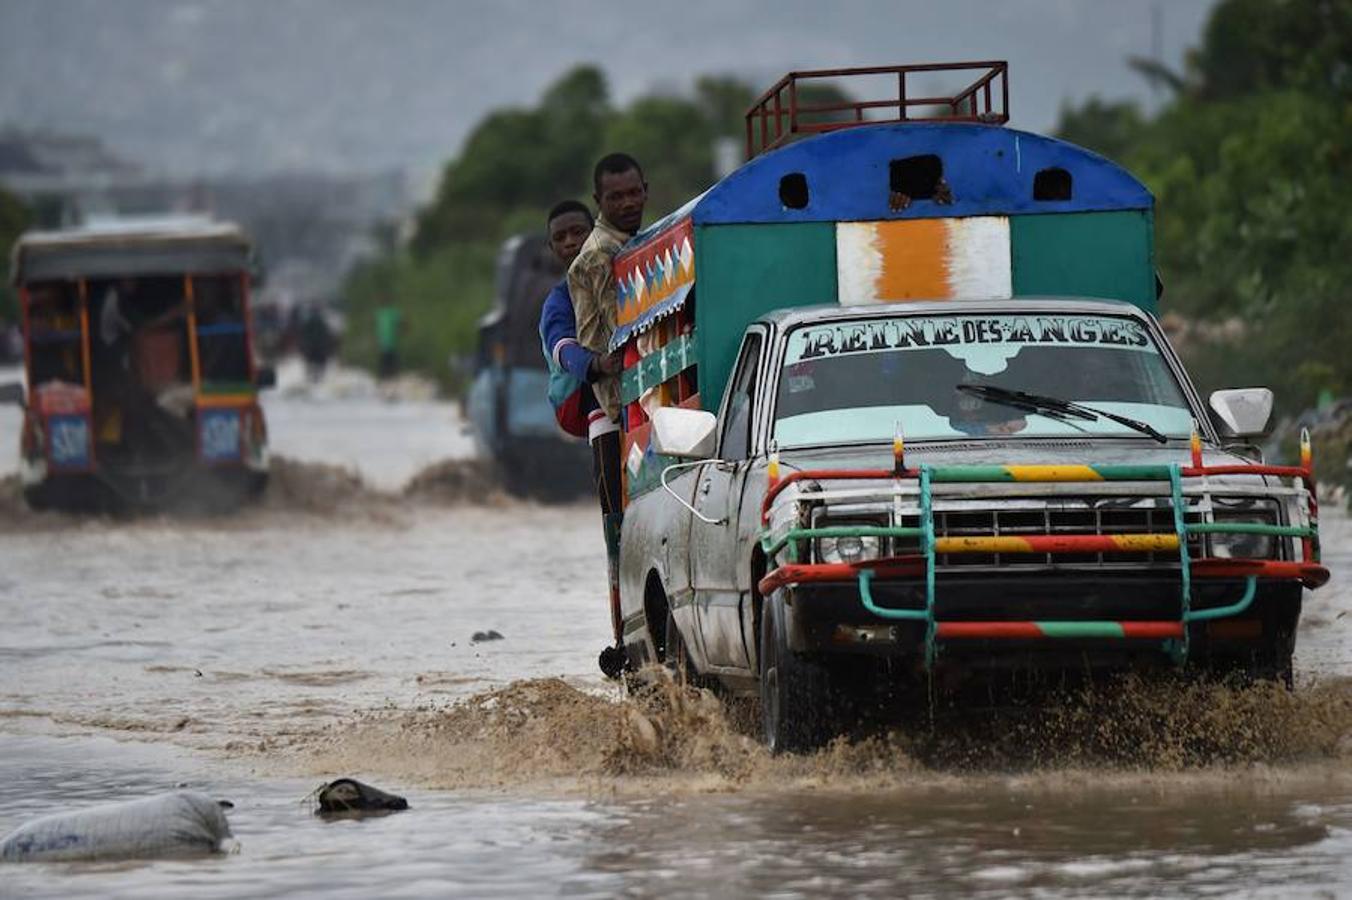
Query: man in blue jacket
{"x": 572, "y": 371}
{"x": 572, "y": 366}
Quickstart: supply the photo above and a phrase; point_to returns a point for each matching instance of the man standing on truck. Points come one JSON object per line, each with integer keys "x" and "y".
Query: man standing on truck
{"x": 620, "y": 194}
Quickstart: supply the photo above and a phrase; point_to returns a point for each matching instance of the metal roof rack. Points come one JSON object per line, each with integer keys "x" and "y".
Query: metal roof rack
{"x": 778, "y": 115}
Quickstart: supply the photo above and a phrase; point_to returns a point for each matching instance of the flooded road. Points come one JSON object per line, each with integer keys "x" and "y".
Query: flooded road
{"x": 254, "y": 657}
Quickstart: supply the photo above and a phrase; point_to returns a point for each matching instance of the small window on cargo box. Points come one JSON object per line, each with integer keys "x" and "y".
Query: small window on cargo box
{"x": 917, "y": 177}
{"x": 793, "y": 190}
{"x": 1052, "y": 184}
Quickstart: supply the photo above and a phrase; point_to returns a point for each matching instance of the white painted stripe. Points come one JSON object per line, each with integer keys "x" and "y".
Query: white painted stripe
{"x": 600, "y": 425}
{"x": 859, "y": 262}
{"x": 979, "y": 266}
{"x": 558, "y": 348}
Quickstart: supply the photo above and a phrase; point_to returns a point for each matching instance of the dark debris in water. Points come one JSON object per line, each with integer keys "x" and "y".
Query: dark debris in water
{"x": 348, "y": 797}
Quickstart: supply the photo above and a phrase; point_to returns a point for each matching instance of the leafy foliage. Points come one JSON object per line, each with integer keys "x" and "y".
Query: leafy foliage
{"x": 441, "y": 296}
{"x": 514, "y": 166}
{"x": 1251, "y": 166}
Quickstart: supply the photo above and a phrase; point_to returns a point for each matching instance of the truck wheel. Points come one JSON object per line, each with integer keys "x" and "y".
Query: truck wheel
{"x": 677, "y": 657}
{"x": 1275, "y": 661}
{"x": 795, "y": 692}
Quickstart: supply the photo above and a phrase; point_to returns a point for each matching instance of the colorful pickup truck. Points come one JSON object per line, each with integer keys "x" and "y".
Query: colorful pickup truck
{"x": 898, "y": 414}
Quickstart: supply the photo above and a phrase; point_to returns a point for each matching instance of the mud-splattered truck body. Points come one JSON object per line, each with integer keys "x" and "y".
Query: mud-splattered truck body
{"x": 897, "y": 407}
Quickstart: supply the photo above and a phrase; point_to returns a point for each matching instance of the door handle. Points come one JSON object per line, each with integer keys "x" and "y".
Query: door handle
{"x": 706, "y": 486}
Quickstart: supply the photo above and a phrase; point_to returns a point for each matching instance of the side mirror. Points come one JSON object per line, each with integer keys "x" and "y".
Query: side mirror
{"x": 12, "y": 393}
{"x": 265, "y": 377}
{"x": 1244, "y": 412}
{"x": 683, "y": 433}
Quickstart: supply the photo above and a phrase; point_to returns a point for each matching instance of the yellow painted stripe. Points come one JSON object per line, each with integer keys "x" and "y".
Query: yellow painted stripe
{"x": 213, "y": 400}
{"x": 990, "y": 544}
{"x": 1139, "y": 543}
{"x": 1053, "y": 473}
{"x": 1146, "y": 542}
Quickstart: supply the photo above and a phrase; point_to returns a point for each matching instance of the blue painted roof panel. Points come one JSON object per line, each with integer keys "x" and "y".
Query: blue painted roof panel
{"x": 989, "y": 169}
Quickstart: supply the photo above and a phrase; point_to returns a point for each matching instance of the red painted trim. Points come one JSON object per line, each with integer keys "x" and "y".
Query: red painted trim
{"x": 1279, "y": 471}
{"x": 1156, "y": 630}
{"x": 804, "y": 573}
{"x": 1021, "y": 631}
{"x": 1312, "y": 575}
{"x": 1025, "y": 631}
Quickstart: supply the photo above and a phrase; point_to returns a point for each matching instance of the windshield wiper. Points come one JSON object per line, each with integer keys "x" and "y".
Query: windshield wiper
{"x": 1055, "y": 407}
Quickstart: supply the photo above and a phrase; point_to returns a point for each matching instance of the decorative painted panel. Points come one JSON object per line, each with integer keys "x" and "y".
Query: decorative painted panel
{"x": 219, "y": 434}
{"x": 924, "y": 259}
{"x": 68, "y": 441}
{"x": 653, "y": 279}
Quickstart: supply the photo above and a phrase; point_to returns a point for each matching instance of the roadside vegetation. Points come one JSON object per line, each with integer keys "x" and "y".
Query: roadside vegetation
{"x": 1249, "y": 157}
{"x": 515, "y": 165}
{"x": 1250, "y": 161}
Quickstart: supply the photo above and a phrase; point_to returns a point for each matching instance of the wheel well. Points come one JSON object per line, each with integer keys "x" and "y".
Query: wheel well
{"x": 758, "y": 569}
{"x": 655, "y": 612}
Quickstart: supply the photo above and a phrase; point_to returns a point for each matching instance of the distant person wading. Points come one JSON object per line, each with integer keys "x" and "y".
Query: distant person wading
{"x": 389, "y": 327}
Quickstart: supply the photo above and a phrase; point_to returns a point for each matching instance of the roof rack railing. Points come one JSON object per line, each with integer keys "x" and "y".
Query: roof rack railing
{"x": 777, "y": 115}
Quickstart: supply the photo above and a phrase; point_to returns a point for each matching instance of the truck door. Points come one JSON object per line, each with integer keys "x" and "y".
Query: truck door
{"x": 718, "y": 495}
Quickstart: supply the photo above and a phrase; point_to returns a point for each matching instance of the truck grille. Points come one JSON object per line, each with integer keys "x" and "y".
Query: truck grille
{"x": 1047, "y": 521}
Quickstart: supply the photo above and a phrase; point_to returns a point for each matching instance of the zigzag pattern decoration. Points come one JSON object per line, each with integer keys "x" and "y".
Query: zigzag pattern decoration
{"x": 660, "y": 269}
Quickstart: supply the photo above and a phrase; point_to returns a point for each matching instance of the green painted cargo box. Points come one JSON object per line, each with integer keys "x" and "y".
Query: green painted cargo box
{"x": 866, "y": 215}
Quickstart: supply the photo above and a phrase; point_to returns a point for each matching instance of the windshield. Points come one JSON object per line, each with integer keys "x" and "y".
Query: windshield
{"x": 858, "y": 381}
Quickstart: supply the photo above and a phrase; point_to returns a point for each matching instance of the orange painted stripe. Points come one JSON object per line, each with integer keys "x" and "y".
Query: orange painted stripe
{"x": 914, "y": 259}
{"x": 221, "y": 401}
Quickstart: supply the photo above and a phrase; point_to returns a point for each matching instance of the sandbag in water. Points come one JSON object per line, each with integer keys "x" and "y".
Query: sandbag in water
{"x": 183, "y": 823}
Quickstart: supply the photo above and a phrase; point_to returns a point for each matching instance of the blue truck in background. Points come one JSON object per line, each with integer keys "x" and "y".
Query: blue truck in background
{"x": 507, "y": 406}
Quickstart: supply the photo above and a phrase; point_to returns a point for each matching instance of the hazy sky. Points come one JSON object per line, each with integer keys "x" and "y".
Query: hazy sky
{"x": 265, "y": 85}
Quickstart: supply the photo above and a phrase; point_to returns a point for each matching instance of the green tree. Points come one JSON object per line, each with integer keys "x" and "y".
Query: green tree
{"x": 1106, "y": 127}
{"x": 1251, "y": 166}
{"x": 672, "y": 140}
{"x": 516, "y": 163}
{"x": 518, "y": 159}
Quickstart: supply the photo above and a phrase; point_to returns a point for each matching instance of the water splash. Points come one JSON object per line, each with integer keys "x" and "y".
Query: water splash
{"x": 547, "y": 731}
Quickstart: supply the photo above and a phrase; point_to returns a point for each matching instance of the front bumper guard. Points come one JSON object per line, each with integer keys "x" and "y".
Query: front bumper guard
{"x": 1173, "y": 633}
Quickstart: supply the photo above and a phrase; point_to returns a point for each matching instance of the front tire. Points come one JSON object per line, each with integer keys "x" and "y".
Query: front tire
{"x": 797, "y": 701}
{"x": 676, "y": 656}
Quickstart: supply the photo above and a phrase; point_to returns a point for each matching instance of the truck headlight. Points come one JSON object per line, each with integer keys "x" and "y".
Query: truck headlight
{"x": 1243, "y": 546}
{"x": 848, "y": 549}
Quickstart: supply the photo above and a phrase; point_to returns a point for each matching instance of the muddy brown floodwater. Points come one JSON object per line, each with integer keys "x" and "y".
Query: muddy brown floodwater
{"x": 329, "y": 632}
